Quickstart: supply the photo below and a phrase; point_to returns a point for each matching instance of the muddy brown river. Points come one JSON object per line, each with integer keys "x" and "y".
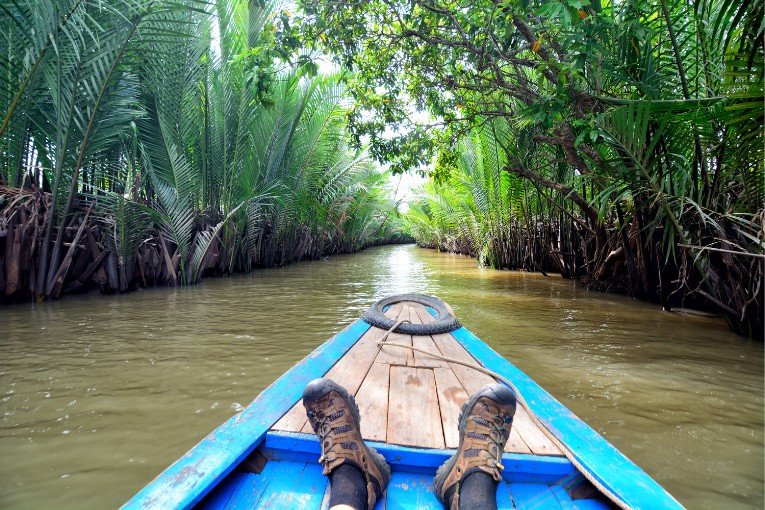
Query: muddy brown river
{"x": 99, "y": 394}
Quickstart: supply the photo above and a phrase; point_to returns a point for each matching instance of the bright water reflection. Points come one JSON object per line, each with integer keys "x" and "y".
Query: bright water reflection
{"x": 97, "y": 395}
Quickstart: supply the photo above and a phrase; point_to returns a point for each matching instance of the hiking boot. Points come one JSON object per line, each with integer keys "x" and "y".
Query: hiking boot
{"x": 484, "y": 426}
{"x": 334, "y": 416}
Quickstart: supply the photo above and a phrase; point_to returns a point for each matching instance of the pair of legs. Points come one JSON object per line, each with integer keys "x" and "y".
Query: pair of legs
{"x": 359, "y": 475}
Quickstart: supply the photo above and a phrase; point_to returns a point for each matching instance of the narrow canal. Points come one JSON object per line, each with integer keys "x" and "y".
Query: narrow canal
{"x": 99, "y": 394}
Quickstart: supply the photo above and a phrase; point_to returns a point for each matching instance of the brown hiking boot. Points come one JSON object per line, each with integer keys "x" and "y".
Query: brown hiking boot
{"x": 484, "y": 426}
{"x": 334, "y": 416}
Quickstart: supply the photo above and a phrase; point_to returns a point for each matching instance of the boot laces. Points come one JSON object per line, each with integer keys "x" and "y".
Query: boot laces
{"x": 496, "y": 435}
{"x": 323, "y": 431}
{"x": 498, "y": 443}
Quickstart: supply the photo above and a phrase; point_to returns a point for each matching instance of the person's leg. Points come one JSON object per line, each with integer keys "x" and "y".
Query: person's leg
{"x": 348, "y": 488}
{"x": 358, "y": 475}
{"x": 477, "y": 490}
{"x": 468, "y": 480}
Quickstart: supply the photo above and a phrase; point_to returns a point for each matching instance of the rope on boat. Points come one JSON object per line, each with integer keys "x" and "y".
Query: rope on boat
{"x": 618, "y": 501}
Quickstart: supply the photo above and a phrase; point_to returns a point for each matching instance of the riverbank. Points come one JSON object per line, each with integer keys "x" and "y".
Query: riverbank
{"x": 614, "y": 279}
{"x": 91, "y": 254}
{"x": 93, "y": 398}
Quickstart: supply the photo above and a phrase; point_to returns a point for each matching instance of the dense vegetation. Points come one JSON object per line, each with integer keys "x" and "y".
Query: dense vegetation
{"x": 150, "y": 142}
{"x": 619, "y": 143}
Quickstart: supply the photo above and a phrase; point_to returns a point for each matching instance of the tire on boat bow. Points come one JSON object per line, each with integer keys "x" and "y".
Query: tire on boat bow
{"x": 445, "y": 322}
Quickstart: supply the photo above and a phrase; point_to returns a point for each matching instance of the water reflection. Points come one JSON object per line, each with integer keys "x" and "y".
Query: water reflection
{"x": 105, "y": 392}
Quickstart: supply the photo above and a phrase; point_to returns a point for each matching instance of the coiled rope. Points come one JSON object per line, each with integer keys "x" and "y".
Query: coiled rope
{"x": 566, "y": 451}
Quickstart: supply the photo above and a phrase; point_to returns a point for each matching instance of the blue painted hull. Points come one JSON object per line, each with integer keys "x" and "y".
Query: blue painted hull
{"x": 293, "y": 479}
{"x": 211, "y": 475}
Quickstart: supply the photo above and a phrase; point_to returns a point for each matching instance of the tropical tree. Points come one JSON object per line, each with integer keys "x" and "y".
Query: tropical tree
{"x": 153, "y": 141}
{"x": 642, "y": 117}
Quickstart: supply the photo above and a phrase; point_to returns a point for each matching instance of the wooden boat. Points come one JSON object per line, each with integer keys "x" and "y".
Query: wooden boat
{"x": 266, "y": 456}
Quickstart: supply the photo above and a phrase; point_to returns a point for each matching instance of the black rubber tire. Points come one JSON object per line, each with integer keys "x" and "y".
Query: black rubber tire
{"x": 445, "y": 322}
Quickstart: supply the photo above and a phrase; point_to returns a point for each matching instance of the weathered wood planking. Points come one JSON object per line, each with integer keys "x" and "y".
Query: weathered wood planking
{"x": 451, "y": 396}
{"x": 349, "y": 371}
{"x": 424, "y": 341}
{"x": 535, "y": 439}
{"x": 471, "y": 379}
{"x": 525, "y": 437}
{"x": 397, "y": 355}
{"x": 294, "y": 419}
{"x": 414, "y": 418}
{"x": 369, "y": 380}
{"x": 372, "y": 399}
{"x": 515, "y": 442}
{"x": 451, "y": 392}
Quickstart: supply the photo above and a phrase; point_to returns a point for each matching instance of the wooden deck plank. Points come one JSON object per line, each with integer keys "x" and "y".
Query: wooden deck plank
{"x": 360, "y": 355}
{"x": 451, "y": 396}
{"x": 296, "y": 485}
{"x": 363, "y": 375}
{"x": 413, "y": 414}
{"x": 504, "y": 500}
{"x": 423, "y": 313}
{"x": 372, "y": 399}
{"x": 293, "y": 420}
{"x": 218, "y": 499}
{"x": 397, "y": 355}
{"x": 515, "y": 443}
{"x": 563, "y": 498}
{"x": 537, "y": 441}
{"x": 349, "y": 372}
{"x": 576, "y": 504}
{"x": 526, "y": 437}
{"x": 411, "y": 491}
{"x": 532, "y": 496}
{"x": 424, "y": 341}
{"x": 472, "y": 380}
{"x": 422, "y": 359}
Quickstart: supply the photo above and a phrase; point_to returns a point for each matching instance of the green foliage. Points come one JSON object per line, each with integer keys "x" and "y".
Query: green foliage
{"x": 650, "y": 106}
{"x": 476, "y": 206}
{"x": 201, "y": 122}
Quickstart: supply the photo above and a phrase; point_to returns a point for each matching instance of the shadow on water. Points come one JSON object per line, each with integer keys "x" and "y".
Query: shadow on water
{"x": 99, "y": 394}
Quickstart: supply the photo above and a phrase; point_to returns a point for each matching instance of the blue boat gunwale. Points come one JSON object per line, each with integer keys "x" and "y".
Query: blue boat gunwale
{"x": 519, "y": 467}
{"x": 195, "y": 474}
